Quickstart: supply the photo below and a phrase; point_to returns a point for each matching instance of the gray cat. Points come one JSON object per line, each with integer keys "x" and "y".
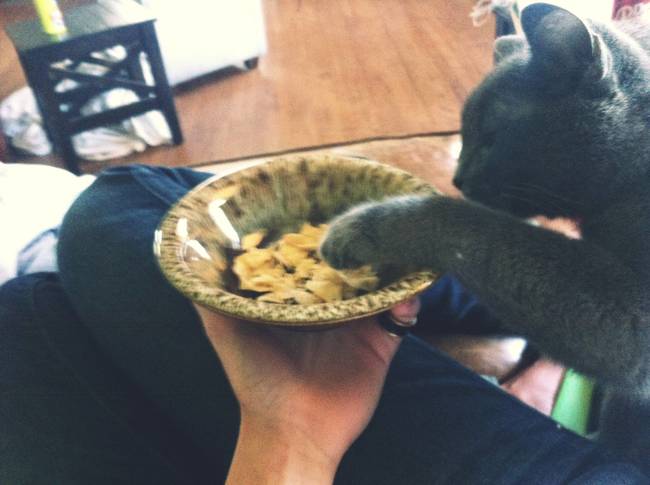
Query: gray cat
{"x": 560, "y": 127}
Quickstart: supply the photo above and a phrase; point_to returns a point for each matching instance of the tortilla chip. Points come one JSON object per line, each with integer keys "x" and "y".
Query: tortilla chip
{"x": 262, "y": 282}
{"x": 303, "y": 297}
{"x": 325, "y": 290}
{"x": 252, "y": 240}
{"x": 362, "y": 278}
{"x": 304, "y": 269}
{"x": 290, "y": 256}
{"x": 290, "y": 270}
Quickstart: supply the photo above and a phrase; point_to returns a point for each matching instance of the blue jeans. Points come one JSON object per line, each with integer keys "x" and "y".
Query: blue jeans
{"x": 107, "y": 376}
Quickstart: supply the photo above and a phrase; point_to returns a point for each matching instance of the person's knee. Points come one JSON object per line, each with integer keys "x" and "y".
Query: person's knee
{"x": 127, "y": 197}
{"x": 112, "y": 204}
{"x": 104, "y": 195}
{"x": 105, "y": 249}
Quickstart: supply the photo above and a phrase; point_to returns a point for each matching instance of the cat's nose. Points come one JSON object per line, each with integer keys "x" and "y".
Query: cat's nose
{"x": 458, "y": 182}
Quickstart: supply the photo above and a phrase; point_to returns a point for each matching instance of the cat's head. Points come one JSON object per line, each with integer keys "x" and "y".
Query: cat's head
{"x": 549, "y": 128}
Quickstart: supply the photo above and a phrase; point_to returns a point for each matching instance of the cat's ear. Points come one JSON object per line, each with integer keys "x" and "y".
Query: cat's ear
{"x": 507, "y": 46}
{"x": 563, "y": 48}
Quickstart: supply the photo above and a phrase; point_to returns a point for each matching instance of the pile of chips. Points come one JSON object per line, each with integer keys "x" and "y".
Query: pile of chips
{"x": 291, "y": 271}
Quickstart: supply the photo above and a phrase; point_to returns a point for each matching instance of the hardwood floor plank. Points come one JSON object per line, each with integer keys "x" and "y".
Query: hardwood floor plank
{"x": 336, "y": 71}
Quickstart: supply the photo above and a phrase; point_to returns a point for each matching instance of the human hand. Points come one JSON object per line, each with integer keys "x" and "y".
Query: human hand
{"x": 537, "y": 385}
{"x": 304, "y": 396}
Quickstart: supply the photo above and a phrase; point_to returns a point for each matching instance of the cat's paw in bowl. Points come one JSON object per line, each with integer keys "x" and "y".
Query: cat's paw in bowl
{"x": 352, "y": 241}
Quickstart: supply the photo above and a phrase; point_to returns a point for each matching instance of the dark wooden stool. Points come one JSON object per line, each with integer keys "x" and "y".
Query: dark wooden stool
{"x": 47, "y": 60}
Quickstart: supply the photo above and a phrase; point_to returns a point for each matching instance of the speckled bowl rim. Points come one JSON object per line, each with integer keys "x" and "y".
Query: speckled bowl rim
{"x": 165, "y": 246}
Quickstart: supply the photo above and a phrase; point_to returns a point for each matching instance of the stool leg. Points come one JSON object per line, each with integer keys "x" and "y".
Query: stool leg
{"x": 36, "y": 72}
{"x": 163, "y": 91}
{"x": 134, "y": 68}
{"x": 68, "y": 153}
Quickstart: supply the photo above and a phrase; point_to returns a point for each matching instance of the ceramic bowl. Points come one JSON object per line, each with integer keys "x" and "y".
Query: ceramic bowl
{"x": 197, "y": 239}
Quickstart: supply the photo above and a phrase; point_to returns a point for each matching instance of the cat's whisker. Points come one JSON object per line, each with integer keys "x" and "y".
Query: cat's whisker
{"x": 558, "y": 203}
{"x": 508, "y": 195}
{"x": 538, "y": 188}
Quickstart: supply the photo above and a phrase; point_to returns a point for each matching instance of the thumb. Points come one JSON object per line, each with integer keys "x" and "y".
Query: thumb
{"x": 406, "y": 310}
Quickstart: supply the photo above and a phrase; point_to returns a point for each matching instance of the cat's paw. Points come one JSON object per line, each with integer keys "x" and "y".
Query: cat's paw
{"x": 352, "y": 239}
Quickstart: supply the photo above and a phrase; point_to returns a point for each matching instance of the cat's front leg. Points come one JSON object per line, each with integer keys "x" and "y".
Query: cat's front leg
{"x": 388, "y": 232}
{"x": 352, "y": 239}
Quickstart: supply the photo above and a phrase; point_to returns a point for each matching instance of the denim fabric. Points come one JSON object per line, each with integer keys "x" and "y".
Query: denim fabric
{"x": 448, "y": 308}
{"x": 144, "y": 326}
{"x": 437, "y": 422}
{"x": 67, "y": 416}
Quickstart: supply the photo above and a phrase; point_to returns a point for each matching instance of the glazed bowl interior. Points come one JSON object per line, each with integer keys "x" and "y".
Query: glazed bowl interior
{"x": 200, "y": 235}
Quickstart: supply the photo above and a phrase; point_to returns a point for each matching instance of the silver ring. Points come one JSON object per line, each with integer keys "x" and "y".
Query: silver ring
{"x": 394, "y": 327}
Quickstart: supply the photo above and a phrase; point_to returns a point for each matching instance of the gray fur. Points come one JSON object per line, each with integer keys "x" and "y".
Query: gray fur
{"x": 561, "y": 127}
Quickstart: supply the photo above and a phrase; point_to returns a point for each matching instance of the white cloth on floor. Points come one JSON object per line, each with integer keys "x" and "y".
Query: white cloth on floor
{"x": 39, "y": 254}
{"x": 22, "y": 123}
{"x": 33, "y": 199}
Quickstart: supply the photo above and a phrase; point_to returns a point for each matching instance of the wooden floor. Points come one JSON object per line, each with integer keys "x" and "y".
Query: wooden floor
{"x": 336, "y": 71}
